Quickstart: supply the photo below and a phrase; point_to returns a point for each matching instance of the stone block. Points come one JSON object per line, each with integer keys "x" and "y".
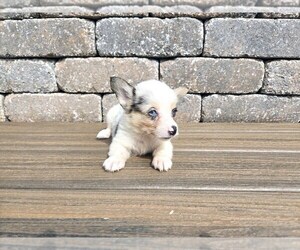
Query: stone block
{"x": 229, "y": 75}
{"x": 93, "y": 74}
{"x": 47, "y": 38}
{"x": 250, "y": 108}
{"x": 27, "y": 76}
{"x": 263, "y": 38}
{"x": 18, "y": 3}
{"x": 2, "y": 116}
{"x": 53, "y": 107}
{"x": 108, "y": 101}
{"x": 189, "y": 109}
{"x": 149, "y": 37}
{"x": 282, "y": 78}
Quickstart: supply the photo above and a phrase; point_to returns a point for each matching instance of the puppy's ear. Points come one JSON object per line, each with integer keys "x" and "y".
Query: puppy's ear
{"x": 124, "y": 91}
{"x": 181, "y": 92}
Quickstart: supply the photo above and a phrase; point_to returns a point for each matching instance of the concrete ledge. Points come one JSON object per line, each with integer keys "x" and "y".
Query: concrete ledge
{"x": 45, "y": 12}
{"x": 252, "y": 12}
{"x": 92, "y": 3}
{"x": 204, "y": 3}
{"x": 98, "y": 3}
{"x": 150, "y": 11}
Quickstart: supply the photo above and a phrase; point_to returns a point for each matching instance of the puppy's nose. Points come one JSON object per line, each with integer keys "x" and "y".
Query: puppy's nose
{"x": 173, "y": 131}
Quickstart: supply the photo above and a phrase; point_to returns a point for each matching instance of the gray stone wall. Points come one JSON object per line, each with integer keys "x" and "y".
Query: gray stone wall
{"x": 241, "y": 64}
{"x": 97, "y": 3}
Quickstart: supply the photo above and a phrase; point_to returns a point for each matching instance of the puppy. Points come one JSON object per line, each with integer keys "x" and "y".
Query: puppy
{"x": 142, "y": 123}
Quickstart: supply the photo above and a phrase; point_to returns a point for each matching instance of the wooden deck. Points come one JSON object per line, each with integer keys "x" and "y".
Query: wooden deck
{"x": 227, "y": 180}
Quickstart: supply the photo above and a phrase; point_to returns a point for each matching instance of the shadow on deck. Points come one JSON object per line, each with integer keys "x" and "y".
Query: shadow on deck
{"x": 227, "y": 180}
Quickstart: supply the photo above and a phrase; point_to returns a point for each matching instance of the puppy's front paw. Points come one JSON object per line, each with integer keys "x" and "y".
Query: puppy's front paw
{"x": 104, "y": 134}
{"x": 162, "y": 163}
{"x": 113, "y": 164}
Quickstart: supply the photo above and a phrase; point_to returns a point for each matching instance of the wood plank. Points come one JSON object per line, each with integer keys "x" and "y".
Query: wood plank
{"x": 215, "y": 136}
{"x": 148, "y": 213}
{"x": 212, "y": 171}
{"x": 67, "y": 156}
{"x": 146, "y": 243}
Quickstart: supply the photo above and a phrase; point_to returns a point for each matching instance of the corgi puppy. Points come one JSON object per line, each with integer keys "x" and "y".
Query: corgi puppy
{"x": 141, "y": 123}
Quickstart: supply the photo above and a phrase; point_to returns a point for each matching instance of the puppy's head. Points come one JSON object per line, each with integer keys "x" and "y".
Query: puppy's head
{"x": 151, "y": 105}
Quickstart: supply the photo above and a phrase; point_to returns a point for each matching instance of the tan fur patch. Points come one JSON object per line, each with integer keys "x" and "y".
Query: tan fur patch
{"x": 142, "y": 123}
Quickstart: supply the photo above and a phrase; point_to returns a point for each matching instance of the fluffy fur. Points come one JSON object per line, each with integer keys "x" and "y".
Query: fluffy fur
{"x": 142, "y": 123}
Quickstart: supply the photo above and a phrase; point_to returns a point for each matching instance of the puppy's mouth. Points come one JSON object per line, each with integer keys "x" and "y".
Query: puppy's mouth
{"x": 165, "y": 138}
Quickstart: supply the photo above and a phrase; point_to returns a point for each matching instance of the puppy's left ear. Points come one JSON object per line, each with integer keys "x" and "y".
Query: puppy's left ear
{"x": 181, "y": 92}
{"x": 124, "y": 91}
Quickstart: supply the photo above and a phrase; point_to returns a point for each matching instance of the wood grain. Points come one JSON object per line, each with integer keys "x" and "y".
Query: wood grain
{"x": 147, "y": 243}
{"x": 144, "y": 212}
{"x": 227, "y": 180}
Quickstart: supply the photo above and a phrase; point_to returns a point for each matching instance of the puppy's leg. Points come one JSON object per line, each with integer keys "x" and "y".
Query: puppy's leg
{"x": 113, "y": 117}
{"x": 162, "y": 156}
{"x": 118, "y": 155}
{"x": 106, "y": 133}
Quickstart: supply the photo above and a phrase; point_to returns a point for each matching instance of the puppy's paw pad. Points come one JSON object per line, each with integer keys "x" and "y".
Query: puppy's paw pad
{"x": 113, "y": 164}
{"x": 104, "y": 134}
{"x": 162, "y": 163}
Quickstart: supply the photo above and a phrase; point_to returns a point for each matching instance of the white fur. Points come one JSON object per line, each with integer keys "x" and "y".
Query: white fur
{"x": 130, "y": 138}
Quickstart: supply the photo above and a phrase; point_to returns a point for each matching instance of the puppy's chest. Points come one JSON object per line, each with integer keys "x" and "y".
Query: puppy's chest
{"x": 143, "y": 146}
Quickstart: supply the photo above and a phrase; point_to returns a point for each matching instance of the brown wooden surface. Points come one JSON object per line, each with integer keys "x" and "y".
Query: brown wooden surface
{"x": 227, "y": 180}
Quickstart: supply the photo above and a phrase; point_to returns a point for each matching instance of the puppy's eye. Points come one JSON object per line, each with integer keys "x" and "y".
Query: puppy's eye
{"x": 174, "y": 111}
{"x": 152, "y": 114}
